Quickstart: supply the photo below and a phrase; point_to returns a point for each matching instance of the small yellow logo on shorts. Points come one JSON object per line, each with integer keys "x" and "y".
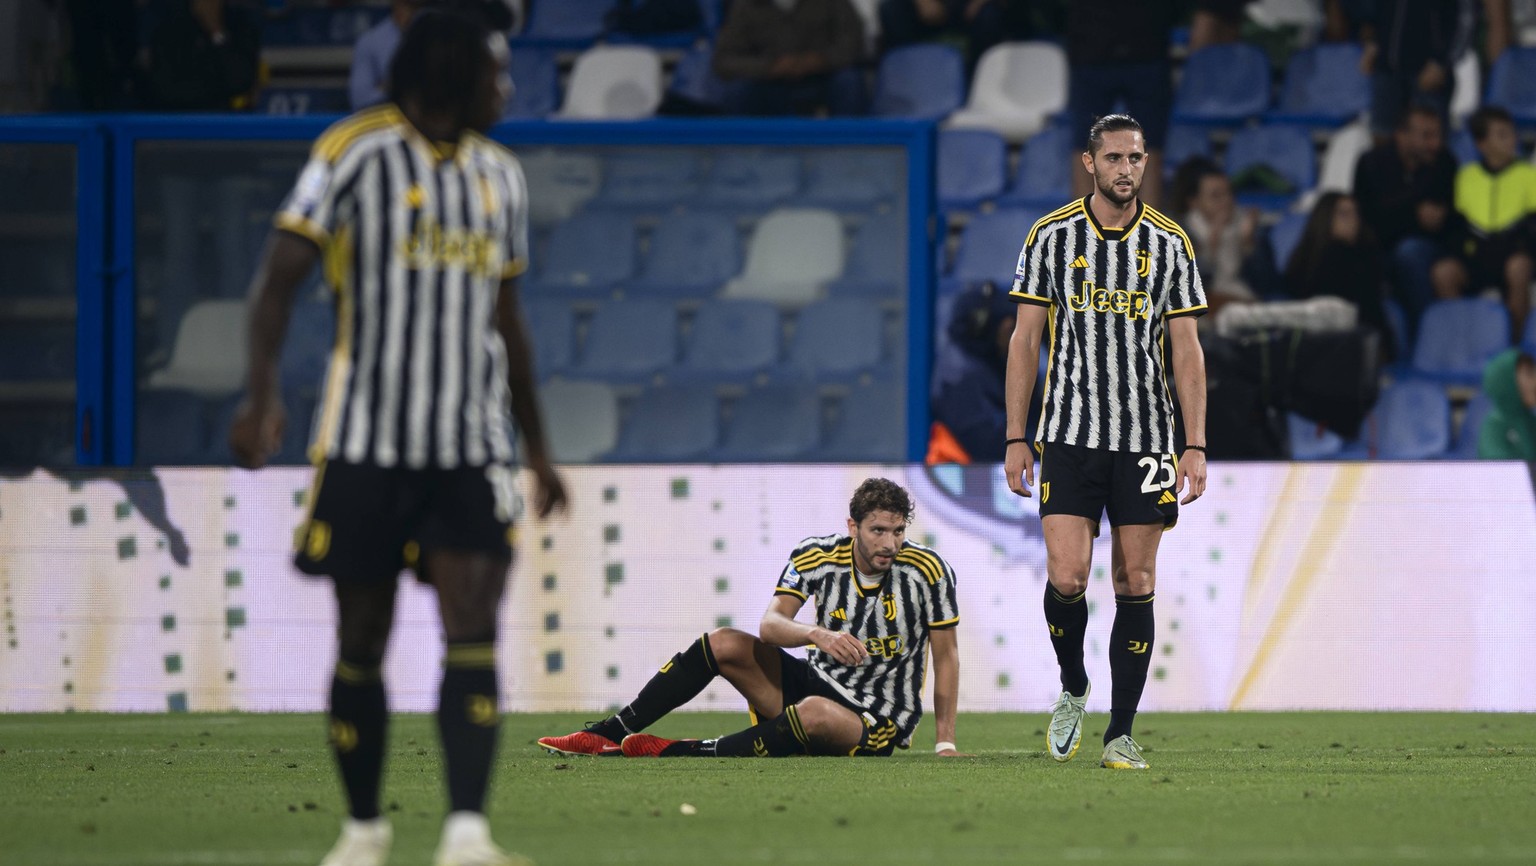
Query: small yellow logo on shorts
{"x": 317, "y": 540}
{"x": 1045, "y": 493}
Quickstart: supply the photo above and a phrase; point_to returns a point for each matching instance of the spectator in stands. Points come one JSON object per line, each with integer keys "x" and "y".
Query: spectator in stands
{"x": 205, "y": 55}
{"x": 1405, "y": 190}
{"x": 1338, "y": 256}
{"x": 791, "y": 57}
{"x": 1216, "y": 22}
{"x": 373, "y": 51}
{"x": 104, "y": 37}
{"x": 967, "y": 394}
{"x": 1496, "y": 196}
{"x": 977, "y": 24}
{"x": 1410, "y": 52}
{"x": 1509, "y": 430}
{"x": 1222, "y": 236}
{"x": 1118, "y": 50}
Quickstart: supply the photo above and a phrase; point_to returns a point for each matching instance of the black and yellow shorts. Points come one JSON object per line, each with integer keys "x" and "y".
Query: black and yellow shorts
{"x": 1134, "y": 488}
{"x": 798, "y": 682}
{"x": 368, "y": 523}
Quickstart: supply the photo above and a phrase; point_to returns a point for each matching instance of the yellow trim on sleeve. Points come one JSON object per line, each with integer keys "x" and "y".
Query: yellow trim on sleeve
{"x": 514, "y": 268}
{"x": 784, "y": 590}
{"x": 1027, "y": 298}
{"x": 948, "y": 623}
{"x": 302, "y": 227}
{"x": 1186, "y": 311}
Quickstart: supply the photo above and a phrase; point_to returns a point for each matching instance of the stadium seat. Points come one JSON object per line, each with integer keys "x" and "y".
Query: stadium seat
{"x": 669, "y": 424}
{"x": 1414, "y": 421}
{"x": 566, "y": 21}
{"x": 972, "y": 167}
{"x": 559, "y": 183}
{"x": 835, "y": 340}
{"x": 1042, "y": 180}
{"x": 1286, "y": 151}
{"x": 1467, "y": 92}
{"x": 614, "y": 82}
{"x": 588, "y": 255}
{"x": 1397, "y": 320}
{"x": 649, "y": 178}
{"x": 691, "y": 256}
{"x": 1463, "y": 147}
{"x": 877, "y": 260}
{"x": 1458, "y": 337}
{"x": 775, "y": 422}
{"x": 1512, "y": 83}
{"x": 793, "y": 254}
{"x": 751, "y": 179}
{"x": 731, "y": 340}
{"x": 286, "y": 100}
{"x": 552, "y": 327}
{"x": 629, "y": 341}
{"x": 536, "y": 80}
{"x": 1185, "y": 142}
{"x": 581, "y": 420}
{"x": 1310, "y": 440}
{"x": 870, "y": 426}
{"x": 1284, "y": 236}
{"x": 1340, "y": 156}
{"x": 208, "y": 357}
{"x": 921, "y": 82}
{"x": 694, "y": 81}
{"x": 1017, "y": 88}
{"x": 857, "y": 178}
{"x": 1471, "y": 426}
{"x": 989, "y": 247}
{"x": 1222, "y": 84}
{"x": 1323, "y": 86}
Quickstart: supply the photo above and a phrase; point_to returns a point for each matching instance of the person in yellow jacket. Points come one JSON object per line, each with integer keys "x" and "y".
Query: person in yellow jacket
{"x": 1497, "y": 197}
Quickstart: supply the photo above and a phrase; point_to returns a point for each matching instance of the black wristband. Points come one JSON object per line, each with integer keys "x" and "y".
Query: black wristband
{"x": 1200, "y": 448}
{"x": 1007, "y": 442}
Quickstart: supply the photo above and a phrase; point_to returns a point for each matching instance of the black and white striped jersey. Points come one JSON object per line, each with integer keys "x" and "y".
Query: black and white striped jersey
{"x": 1110, "y": 292}
{"x": 893, "y": 620}
{"x": 417, "y": 238}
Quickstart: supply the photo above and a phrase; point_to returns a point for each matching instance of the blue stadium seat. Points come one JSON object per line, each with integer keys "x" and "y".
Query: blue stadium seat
{"x": 1458, "y": 337}
{"x": 973, "y": 167}
{"x": 536, "y": 80}
{"x": 694, "y": 80}
{"x": 1185, "y": 142}
{"x": 649, "y": 178}
{"x": 990, "y": 246}
{"x": 629, "y": 340}
{"x": 1310, "y": 440}
{"x": 858, "y": 178}
{"x": 731, "y": 341}
{"x": 1284, "y": 236}
{"x": 552, "y": 327}
{"x": 1222, "y": 84}
{"x": 922, "y": 82}
{"x": 776, "y": 422}
{"x": 1286, "y": 150}
{"x": 870, "y": 426}
{"x": 691, "y": 256}
{"x": 877, "y": 260}
{"x": 1042, "y": 180}
{"x": 1415, "y": 421}
{"x": 754, "y": 180}
{"x": 588, "y": 255}
{"x": 669, "y": 424}
{"x": 1463, "y": 147}
{"x": 835, "y": 340}
{"x": 290, "y": 101}
{"x": 1323, "y": 86}
{"x": 1512, "y": 83}
{"x": 1471, "y": 426}
{"x": 566, "y": 21}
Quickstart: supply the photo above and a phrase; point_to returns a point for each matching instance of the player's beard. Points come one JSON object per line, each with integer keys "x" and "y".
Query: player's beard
{"x": 1114, "y": 195}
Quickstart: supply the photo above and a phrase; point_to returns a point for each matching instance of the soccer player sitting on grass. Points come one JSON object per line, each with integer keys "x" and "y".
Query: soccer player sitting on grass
{"x": 879, "y": 601}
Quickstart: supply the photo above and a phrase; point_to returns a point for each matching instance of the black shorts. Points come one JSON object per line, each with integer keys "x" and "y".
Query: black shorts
{"x": 799, "y": 682}
{"x": 1134, "y": 488}
{"x": 367, "y": 523}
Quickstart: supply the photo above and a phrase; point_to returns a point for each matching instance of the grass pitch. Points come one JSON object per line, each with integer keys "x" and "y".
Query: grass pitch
{"x": 1224, "y": 788}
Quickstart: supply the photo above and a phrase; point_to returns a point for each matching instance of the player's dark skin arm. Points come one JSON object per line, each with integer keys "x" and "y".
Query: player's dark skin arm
{"x": 257, "y": 431}
{"x": 780, "y": 628}
{"x": 1189, "y": 377}
{"x": 525, "y": 404}
{"x": 1019, "y": 384}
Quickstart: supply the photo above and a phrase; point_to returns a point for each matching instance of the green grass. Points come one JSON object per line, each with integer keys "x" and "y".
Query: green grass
{"x": 1223, "y": 788}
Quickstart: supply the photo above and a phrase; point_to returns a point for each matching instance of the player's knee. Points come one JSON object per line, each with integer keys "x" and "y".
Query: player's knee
{"x": 1138, "y": 580}
{"x": 1068, "y": 578}
{"x": 730, "y": 645}
{"x": 819, "y": 717}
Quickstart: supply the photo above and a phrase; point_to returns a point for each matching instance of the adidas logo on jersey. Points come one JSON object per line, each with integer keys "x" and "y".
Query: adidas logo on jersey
{"x": 1079, "y": 262}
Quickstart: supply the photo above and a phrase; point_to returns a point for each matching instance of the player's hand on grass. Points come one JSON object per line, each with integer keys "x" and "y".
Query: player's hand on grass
{"x": 951, "y": 753}
{"x": 549, "y": 496}
{"x": 257, "y": 431}
{"x": 1019, "y": 468}
{"x": 840, "y": 645}
{"x": 1191, "y": 470}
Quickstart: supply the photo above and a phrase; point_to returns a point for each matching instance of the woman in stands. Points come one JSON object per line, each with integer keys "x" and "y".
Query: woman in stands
{"x": 1339, "y": 256}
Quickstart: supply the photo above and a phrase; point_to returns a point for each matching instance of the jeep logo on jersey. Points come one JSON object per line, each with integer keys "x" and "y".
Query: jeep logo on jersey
{"x": 1132, "y": 305}
{"x": 885, "y": 647}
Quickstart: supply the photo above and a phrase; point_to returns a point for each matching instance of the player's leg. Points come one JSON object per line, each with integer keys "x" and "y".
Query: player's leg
{"x": 747, "y": 663}
{"x": 1073, "y": 485}
{"x": 469, "y": 585}
{"x": 815, "y": 725}
{"x": 1134, "y": 554}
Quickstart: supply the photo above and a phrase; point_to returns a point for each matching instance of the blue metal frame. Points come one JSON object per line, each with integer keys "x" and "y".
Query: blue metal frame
{"x": 92, "y": 411}
{"x": 113, "y": 241}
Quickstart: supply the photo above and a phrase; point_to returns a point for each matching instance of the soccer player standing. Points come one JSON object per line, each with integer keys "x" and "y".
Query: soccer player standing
{"x": 423, "y": 225}
{"x": 1113, "y": 278}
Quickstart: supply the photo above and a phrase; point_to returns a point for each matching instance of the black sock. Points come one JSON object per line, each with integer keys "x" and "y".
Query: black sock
{"x": 468, "y": 720}
{"x": 1130, "y": 655}
{"x": 1067, "y": 618}
{"x": 776, "y": 738}
{"x": 678, "y": 682}
{"x": 359, "y": 722}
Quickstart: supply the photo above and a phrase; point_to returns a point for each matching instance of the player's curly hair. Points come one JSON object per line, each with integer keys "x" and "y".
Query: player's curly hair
{"x": 1110, "y": 123}
{"x": 440, "y": 61}
{"x": 879, "y": 494}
